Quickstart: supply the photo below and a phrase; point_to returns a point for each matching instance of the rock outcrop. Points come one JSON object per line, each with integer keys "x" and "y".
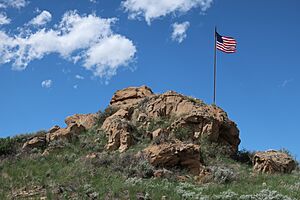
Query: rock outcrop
{"x": 70, "y": 133}
{"x": 130, "y": 95}
{"x": 36, "y": 142}
{"x": 273, "y": 162}
{"x": 138, "y": 106}
{"x": 175, "y": 154}
{"x": 76, "y": 124}
{"x": 119, "y": 131}
{"x": 134, "y": 114}
{"x": 36, "y": 192}
{"x": 86, "y": 120}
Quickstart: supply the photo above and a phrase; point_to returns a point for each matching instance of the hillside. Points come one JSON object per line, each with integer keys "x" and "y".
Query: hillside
{"x": 145, "y": 146}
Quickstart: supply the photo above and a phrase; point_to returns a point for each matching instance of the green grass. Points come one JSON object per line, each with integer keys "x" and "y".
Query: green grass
{"x": 67, "y": 168}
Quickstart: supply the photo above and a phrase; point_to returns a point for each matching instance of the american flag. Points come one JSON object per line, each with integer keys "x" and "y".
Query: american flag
{"x": 225, "y": 44}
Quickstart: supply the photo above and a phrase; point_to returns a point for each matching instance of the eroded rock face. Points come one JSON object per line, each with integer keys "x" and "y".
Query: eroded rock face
{"x": 130, "y": 95}
{"x": 273, "y": 162}
{"x": 69, "y": 133}
{"x": 36, "y": 142}
{"x": 54, "y": 129}
{"x": 118, "y": 131}
{"x": 138, "y": 105}
{"x": 224, "y": 132}
{"x": 86, "y": 120}
{"x": 175, "y": 154}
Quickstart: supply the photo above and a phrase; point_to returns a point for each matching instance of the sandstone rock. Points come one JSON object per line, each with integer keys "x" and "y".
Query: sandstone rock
{"x": 157, "y": 133}
{"x": 118, "y": 130}
{"x": 273, "y": 162}
{"x": 198, "y": 126}
{"x": 36, "y": 192}
{"x": 119, "y": 134}
{"x": 142, "y": 117}
{"x": 68, "y": 133}
{"x": 54, "y": 129}
{"x": 122, "y": 113}
{"x": 205, "y": 176}
{"x": 91, "y": 156}
{"x": 139, "y": 104}
{"x": 130, "y": 95}
{"x": 36, "y": 142}
{"x": 86, "y": 120}
{"x": 200, "y": 119}
{"x": 182, "y": 178}
{"x": 175, "y": 154}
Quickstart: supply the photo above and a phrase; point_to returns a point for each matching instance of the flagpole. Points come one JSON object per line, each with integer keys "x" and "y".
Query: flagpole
{"x": 215, "y": 67}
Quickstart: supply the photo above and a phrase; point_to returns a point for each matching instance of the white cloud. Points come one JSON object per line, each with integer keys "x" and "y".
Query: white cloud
{"x": 13, "y": 3}
{"x": 75, "y": 87}
{"x": 105, "y": 57}
{"x": 93, "y": 1}
{"x": 4, "y": 19}
{"x": 42, "y": 19}
{"x": 79, "y": 77}
{"x": 152, "y": 9}
{"x": 46, "y": 83}
{"x": 80, "y": 37}
{"x": 179, "y": 31}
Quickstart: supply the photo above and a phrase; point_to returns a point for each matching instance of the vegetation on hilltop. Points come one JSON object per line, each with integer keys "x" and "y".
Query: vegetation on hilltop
{"x": 67, "y": 173}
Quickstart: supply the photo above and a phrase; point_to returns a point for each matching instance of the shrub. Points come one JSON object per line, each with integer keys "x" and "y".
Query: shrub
{"x": 7, "y": 146}
{"x": 190, "y": 191}
{"x": 195, "y": 100}
{"x": 183, "y": 133}
{"x": 227, "y": 195}
{"x": 211, "y": 151}
{"x": 161, "y": 122}
{"x": 222, "y": 174}
{"x": 127, "y": 163}
{"x": 265, "y": 194}
{"x": 244, "y": 156}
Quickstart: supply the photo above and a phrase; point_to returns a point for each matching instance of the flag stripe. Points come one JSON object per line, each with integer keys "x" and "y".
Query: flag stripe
{"x": 226, "y": 47}
{"x": 225, "y": 44}
{"x": 226, "y": 50}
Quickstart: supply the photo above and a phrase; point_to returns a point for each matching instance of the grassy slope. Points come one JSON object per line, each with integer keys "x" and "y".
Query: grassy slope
{"x": 76, "y": 176}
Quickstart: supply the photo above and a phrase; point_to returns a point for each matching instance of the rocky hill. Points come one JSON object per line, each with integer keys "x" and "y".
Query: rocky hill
{"x": 144, "y": 146}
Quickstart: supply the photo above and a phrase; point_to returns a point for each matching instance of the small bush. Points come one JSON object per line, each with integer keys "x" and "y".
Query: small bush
{"x": 183, "y": 133}
{"x": 128, "y": 163}
{"x": 211, "y": 151}
{"x": 222, "y": 174}
{"x": 244, "y": 156}
{"x": 265, "y": 194}
{"x": 195, "y": 100}
{"x": 161, "y": 122}
{"x": 226, "y": 195}
{"x": 7, "y": 146}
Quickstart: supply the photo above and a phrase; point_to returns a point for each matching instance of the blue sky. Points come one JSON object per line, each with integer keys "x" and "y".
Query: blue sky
{"x": 58, "y": 58}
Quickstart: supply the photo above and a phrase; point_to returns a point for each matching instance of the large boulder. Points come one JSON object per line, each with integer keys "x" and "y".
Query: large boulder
{"x": 36, "y": 142}
{"x": 70, "y": 133}
{"x": 273, "y": 162}
{"x": 175, "y": 154}
{"x": 130, "y": 95}
{"x": 86, "y": 120}
{"x": 119, "y": 131}
{"x": 218, "y": 130}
